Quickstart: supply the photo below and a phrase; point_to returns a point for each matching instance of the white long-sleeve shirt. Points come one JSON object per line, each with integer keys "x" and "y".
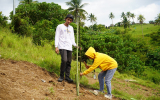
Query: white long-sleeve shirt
{"x": 64, "y": 37}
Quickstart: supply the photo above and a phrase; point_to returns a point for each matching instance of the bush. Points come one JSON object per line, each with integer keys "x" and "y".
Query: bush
{"x": 119, "y": 31}
{"x": 153, "y": 58}
{"x": 98, "y": 27}
{"x": 3, "y": 20}
{"x": 151, "y": 22}
{"x": 151, "y": 74}
{"x": 155, "y": 37}
{"x": 121, "y": 48}
{"x": 21, "y": 26}
{"x": 43, "y": 32}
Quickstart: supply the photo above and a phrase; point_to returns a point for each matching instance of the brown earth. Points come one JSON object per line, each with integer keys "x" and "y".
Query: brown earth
{"x": 129, "y": 86}
{"x": 20, "y": 80}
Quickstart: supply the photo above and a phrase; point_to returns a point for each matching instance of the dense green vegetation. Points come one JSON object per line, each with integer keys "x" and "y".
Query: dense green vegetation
{"x": 38, "y": 20}
{"x": 3, "y": 20}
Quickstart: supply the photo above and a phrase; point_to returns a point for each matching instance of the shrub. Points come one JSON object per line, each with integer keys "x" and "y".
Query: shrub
{"x": 119, "y": 31}
{"x": 153, "y": 58}
{"x": 3, "y": 20}
{"x": 21, "y": 26}
{"x": 155, "y": 37}
{"x": 43, "y": 31}
{"x": 121, "y": 48}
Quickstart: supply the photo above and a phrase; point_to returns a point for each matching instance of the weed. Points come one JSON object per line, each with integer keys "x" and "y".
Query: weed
{"x": 153, "y": 98}
{"x": 134, "y": 87}
{"x": 140, "y": 97}
{"x": 46, "y": 98}
{"x": 51, "y": 90}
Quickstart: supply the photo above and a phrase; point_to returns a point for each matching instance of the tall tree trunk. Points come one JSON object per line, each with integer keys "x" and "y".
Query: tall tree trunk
{"x": 129, "y": 23}
{"x": 142, "y": 30}
{"x": 92, "y": 26}
{"x": 112, "y": 22}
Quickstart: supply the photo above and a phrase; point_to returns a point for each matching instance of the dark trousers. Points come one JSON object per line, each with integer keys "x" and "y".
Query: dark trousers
{"x": 66, "y": 57}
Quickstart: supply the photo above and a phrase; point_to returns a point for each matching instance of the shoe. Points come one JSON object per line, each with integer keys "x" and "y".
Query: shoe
{"x": 108, "y": 96}
{"x": 60, "y": 79}
{"x": 97, "y": 91}
{"x": 69, "y": 80}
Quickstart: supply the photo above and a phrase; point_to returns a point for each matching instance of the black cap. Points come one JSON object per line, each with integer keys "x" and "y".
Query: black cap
{"x": 69, "y": 16}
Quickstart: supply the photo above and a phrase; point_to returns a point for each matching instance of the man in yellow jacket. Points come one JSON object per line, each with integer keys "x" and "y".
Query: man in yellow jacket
{"x": 108, "y": 66}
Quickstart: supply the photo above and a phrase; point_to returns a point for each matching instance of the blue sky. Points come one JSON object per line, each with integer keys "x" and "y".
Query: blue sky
{"x": 102, "y": 8}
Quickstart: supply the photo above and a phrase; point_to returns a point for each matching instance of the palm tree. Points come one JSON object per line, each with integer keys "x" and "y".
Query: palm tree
{"x": 22, "y": 2}
{"x": 125, "y": 22}
{"x": 158, "y": 16}
{"x": 141, "y": 20}
{"x": 123, "y": 15}
{"x": 133, "y": 16}
{"x": 92, "y": 19}
{"x": 157, "y": 21}
{"x": 128, "y": 15}
{"x": 76, "y": 9}
{"x": 111, "y": 16}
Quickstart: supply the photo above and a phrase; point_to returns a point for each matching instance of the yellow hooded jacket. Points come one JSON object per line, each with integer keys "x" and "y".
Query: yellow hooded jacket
{"x": 101, "y": 60}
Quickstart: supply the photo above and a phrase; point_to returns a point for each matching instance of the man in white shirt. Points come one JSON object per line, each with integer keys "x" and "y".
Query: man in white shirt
{"x": 64, "y": 39}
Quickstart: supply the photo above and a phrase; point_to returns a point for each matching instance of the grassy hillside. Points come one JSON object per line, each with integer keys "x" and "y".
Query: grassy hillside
{"x": 20, "y": 48}
{"x": 136, "y": 31}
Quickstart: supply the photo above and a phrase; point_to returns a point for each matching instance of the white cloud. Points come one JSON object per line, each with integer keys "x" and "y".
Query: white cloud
{"x": 149, "y": 12}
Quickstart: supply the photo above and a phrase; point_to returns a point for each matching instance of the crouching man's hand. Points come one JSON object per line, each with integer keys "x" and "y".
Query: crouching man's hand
{"x": 78, "y": 47}
{"x": 81, "y": 74}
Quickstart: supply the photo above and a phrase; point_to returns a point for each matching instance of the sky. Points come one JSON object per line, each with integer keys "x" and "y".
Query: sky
{"x": 102, "y": 8}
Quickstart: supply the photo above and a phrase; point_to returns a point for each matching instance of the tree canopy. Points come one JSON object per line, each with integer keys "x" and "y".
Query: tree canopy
{"x": 92, "y": 18}
{"x": 76, "y": 8}
{"x": 22, "y": 2}
{"x": 111, "y": 16}
{"x": 141, "y": 18}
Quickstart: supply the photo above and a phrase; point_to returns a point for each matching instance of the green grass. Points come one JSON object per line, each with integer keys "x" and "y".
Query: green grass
{"x": 20, "y": 48}
{"x": 144, "y": 81}
{"x": 136, "y": 32}
{"x": 51, "y": 90}
{"x": 121, "y": 94}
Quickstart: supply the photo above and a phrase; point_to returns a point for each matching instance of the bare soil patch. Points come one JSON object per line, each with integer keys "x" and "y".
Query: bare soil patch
{"x": 20, "y": 80}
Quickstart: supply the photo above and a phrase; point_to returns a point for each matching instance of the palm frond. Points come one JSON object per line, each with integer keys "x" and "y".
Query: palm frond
{"x": 83, "y": 5}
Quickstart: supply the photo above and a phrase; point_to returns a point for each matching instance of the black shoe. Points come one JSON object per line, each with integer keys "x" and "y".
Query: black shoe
{"x": 69, "y": 80}
{"x": 60, "y": 79}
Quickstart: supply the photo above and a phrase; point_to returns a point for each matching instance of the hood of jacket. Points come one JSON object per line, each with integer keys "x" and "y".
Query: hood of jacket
{"x": 91, "y": 52}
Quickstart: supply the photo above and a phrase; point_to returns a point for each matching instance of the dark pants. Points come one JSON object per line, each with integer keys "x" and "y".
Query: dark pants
{"x": 66, "y": 57}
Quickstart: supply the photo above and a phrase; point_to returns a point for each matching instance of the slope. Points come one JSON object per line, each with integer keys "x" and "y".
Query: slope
{"x": 22, "y": 80}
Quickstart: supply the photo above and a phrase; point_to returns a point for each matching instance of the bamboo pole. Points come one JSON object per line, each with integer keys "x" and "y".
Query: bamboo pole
{"x": 13, "y": 7}
{"x": 80, "y": 45}
{"x": 77, "y": 79}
